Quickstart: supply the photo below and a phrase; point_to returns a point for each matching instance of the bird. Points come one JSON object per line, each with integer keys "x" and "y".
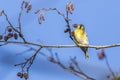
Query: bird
{"x": 80, "y": 37}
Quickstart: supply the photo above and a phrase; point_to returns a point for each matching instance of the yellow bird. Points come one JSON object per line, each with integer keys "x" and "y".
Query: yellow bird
{"x": 80, "y": 37}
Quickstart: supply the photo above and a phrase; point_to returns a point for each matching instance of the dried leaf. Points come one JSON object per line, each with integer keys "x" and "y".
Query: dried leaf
{"x": 15, "y": 36}
{"x": 66, "y": 30}
{"x": 25, "y": 75}
{"x": 67, "y": 7}
{"x": 72, "y": 6}
{"x": 101, "y": 54}
{"x": 10, "y": 35}
{"x": 19, "y": 74}
{"x": 75, "y": 25}
{"x": 70, "y": 10}
{"x": 1, "y": 37}
{"x": 39, "y": 20}
{"x": 1, "y": 12}
{"x": 42, "y": 16}
{"x": 5, "y": 38}
{"x": 29, "y": 8}
{"x": 9, "y": 29}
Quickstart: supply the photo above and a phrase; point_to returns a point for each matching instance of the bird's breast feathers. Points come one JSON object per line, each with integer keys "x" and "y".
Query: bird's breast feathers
{"x": 81, "y": 37}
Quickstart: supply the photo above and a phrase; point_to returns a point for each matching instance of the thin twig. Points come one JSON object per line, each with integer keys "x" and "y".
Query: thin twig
{"x": 108, "y": 65}
{"x": 16, "y": 30}
{"x": 68, "y": 24}
{"x": 19, "y": 17}
{"x": 81, "y": 74}
{"x": 75, "y": 72}
{"x": 76, "y": 64}
{"x": 78, "y": 72}
{"x": 60, "y": 13}
{"x": 29, "y": 61}
{"x": 9, "y": 22}
{"x": 34, "y": 56}
{"x": 19, "y": 22}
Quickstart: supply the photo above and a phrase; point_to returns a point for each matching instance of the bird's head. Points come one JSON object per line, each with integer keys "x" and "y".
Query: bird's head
{"x": 81, "y": 27}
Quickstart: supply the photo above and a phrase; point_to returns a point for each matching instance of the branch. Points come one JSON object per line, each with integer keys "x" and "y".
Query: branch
{"x": 28, "y": 61}
{"x": 19, "y": 22}
{"x": 60, "y": 13}
{"x": 19, "y": 17}
{"x": 62, "y": 46}
{"x": 78, "y": 72}
{"x": 110, "y": 69}
{"x": 9, "y": 21}
{"x": 71, "y": 69}
{"x": 16, "y": 30}
{"x": 82, "y": 75}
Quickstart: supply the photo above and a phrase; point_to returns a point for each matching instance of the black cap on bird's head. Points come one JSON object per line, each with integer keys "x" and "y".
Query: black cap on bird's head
{"x": 81, "y": 26}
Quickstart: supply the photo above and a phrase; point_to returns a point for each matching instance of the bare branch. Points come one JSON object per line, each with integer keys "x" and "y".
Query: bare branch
{"x": 60, "y": 13}
{"x": 62, "y": 46}
{"x": 110, "y": 69}
{"x": 57, "y": 61}
{"x": 16, "y": 30}
{"x": 29, "y": 61}
{"x": 9, "y": 21}
{"x": 82, "y": 75}
{"x": 73, "y": 60}
{"x": 78, "y": 72}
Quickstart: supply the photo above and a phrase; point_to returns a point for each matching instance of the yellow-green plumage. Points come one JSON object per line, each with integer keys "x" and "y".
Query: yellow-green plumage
{"x": 80, "y": 37}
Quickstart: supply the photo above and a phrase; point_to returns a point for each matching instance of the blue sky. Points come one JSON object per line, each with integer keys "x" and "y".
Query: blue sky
{"x": 101, "y": 19}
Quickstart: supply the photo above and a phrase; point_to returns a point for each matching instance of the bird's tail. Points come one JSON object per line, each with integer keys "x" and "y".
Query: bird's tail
{"x": 86, "y": 55}
{"x": 85, "y": 50}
